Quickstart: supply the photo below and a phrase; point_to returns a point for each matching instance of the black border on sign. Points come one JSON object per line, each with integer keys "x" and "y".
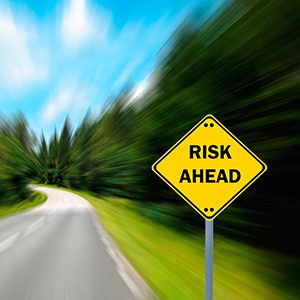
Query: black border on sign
{"x": 207, "y": 117}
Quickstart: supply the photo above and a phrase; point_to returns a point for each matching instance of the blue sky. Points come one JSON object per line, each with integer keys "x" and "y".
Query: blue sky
{"x": 59, "y": 58}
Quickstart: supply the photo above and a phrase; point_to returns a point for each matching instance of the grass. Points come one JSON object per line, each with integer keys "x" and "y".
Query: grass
{"x": 35, "y": 199}
{"x": 173, "y": 263}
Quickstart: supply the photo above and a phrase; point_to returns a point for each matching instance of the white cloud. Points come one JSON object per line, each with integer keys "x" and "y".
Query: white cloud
{"x": 66, "y": 100}
{"x": 21, "y": 66}
{"x": 82, "y": 23}
{"x": 142, "y": 88}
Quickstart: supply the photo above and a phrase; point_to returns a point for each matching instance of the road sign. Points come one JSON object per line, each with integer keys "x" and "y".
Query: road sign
{"x": 209, "y": 167}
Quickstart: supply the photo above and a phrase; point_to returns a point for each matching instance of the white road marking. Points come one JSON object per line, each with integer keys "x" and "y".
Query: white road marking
{"x": 105, "y": 241}
{"x": 34, "y": 226}
{"x": 8, "y": 242}
{"x": 118, "y": 261}
{"x": 51, "y": 215}
{"x": 100, "y": 231}
{"x": 130, "y": 283}
{"x": 69, "y": 202}
{"x": 115, "y": 258}
{"x": 121, "y": 268}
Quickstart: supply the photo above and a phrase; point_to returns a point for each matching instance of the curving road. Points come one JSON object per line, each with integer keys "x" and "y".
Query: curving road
{"x": 59, "y": 251}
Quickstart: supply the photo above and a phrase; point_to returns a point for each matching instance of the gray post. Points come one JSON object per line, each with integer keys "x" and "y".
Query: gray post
{"x": 209, "y": 248}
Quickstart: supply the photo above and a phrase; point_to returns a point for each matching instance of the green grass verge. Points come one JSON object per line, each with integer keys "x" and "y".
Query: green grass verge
{"x": 36, "y": 198}
{"x": 173, "y": 263}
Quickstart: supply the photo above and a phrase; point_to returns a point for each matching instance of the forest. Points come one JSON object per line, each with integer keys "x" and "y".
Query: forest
{"x": 241, "y": 65}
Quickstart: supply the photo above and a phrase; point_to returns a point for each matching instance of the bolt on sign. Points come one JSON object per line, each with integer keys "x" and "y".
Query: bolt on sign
{"x": 209, "y": 167}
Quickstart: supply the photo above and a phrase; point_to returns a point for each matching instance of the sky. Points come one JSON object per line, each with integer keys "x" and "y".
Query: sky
{"x": 60, "y": 58}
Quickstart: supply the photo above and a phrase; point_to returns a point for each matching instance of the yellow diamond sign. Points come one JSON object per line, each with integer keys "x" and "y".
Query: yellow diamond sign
{"x": 209, "y": 167}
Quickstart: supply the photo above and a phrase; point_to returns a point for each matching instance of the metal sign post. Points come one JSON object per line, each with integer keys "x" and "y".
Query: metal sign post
{"x": 209, "y": 258}
{"x": 209, "y": 167}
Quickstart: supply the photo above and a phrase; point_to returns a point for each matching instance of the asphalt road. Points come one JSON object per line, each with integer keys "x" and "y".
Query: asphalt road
{"x": 59, "y": 251}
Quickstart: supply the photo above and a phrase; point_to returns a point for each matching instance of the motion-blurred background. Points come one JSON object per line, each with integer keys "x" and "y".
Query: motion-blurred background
{"x": 133, "y": 77}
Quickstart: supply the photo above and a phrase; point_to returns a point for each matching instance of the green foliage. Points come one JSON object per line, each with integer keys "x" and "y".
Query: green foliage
{"x": 173, "y": 263}
{"x": 16, "y": 159}
{"x": 242, "y": 66}
{"x": 53, "y": 161}
{"x": 33, "y": 200}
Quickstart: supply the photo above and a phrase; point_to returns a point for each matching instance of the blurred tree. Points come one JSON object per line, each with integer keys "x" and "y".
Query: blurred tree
{"x": 16, "y": 159}
{"x": 240, "y": 65}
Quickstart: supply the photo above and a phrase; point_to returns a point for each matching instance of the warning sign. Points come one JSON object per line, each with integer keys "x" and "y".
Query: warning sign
{"x": 209, "y": 167}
